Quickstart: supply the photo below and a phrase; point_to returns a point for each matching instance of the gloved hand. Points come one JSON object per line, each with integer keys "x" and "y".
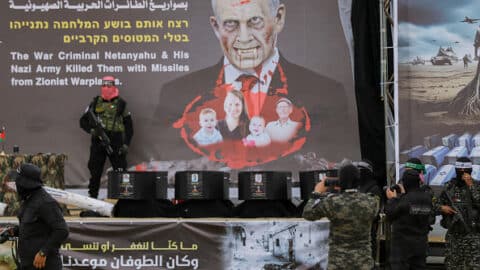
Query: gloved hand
{"x": 123, "y": 150}
{"x": 93, "y": 132}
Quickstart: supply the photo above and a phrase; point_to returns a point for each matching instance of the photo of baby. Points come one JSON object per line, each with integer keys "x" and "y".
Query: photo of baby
{"x": 208, "y": 133}
{"x": 257, "y": 137}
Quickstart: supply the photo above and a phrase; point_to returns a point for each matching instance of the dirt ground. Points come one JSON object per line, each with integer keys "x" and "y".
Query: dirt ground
{"x": 433, "y": 84}
{"x": 425, "y": 92}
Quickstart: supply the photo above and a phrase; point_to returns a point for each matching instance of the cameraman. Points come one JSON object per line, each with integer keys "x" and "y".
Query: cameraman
{"x": 351, "y": 214}
{"x": 409, "y": 214}
{"x": 458, "y": 204}
{"x": 41, "y": 228}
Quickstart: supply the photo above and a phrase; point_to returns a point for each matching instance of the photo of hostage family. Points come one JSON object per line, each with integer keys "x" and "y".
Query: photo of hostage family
{"x": 234, "y": 126}
{"x": 223, "y": 129}
{"x": 254, "y": 106}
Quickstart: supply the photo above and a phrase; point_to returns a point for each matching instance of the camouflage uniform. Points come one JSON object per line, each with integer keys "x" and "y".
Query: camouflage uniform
{"x": 52, "y": 173}
{"x": 462, "y": 247}
{"x": 52, "y": 168}
{"x": 10, "y": 197}
{"x": 351, "y": 215}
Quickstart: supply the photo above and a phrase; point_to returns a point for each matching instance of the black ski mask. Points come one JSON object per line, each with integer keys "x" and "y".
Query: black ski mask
{"x": 411, "y": 180}
{"x": 27, "y": 179}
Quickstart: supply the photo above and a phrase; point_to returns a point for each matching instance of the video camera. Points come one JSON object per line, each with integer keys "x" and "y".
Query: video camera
{"x": 331, "y": 178}
{"x": 332, "y": 182}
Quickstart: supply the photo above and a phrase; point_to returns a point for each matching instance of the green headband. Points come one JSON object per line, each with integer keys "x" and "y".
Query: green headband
{"x": 415, "y": 166}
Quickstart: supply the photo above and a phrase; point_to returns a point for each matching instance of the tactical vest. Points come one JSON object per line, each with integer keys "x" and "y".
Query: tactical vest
{"x": 462, "y": 200}
{"x": 110, "y": 114}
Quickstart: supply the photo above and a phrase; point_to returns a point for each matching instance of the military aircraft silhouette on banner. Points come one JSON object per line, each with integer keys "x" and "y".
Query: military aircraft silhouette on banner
{"x": 469, "y": 20}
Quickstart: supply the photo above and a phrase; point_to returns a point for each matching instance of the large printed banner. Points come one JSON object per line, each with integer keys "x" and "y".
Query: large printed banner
{"x": 439, "y": 84}
{"x": 204, "y": 244}
{"x": 258, "y": 84}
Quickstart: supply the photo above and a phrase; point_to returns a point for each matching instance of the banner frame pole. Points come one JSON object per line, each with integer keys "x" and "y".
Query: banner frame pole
{"x": 389, "y": 86}
{"x": 395, "y": 89}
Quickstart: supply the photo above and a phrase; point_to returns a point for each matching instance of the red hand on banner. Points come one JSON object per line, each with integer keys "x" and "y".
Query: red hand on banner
{"x": 248, "y": 81}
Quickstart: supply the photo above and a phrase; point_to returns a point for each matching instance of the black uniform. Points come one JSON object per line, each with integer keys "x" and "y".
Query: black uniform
{"x": 410, "y": 217}
{"x": 119, "y": 131}
{"x": 369, "y": 185}
{"x": 41, "y": 223}
{"x": 462, "y": 240}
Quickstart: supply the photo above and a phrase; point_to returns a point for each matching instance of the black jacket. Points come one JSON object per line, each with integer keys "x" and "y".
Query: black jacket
{"x": 410, "y": 214}
{"x": 370, "y": 186}
{"x": 41, "y": 227}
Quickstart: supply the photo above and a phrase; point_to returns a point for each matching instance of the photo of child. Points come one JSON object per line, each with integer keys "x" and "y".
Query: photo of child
{"x": 257, "y": 137}
{"x": 208, "y": 133}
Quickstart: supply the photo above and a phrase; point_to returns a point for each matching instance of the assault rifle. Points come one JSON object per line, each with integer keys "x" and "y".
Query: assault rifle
{"x": 10, "y": 233}
{"x": 457, "y": 217}
{"x": 100, "y": 132}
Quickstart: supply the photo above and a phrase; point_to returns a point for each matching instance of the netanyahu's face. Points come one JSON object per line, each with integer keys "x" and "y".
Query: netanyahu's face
{"x": 247, "y": 30}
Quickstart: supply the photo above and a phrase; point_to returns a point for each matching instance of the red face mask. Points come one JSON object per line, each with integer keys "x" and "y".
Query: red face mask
{"x": 109, "y": 92}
